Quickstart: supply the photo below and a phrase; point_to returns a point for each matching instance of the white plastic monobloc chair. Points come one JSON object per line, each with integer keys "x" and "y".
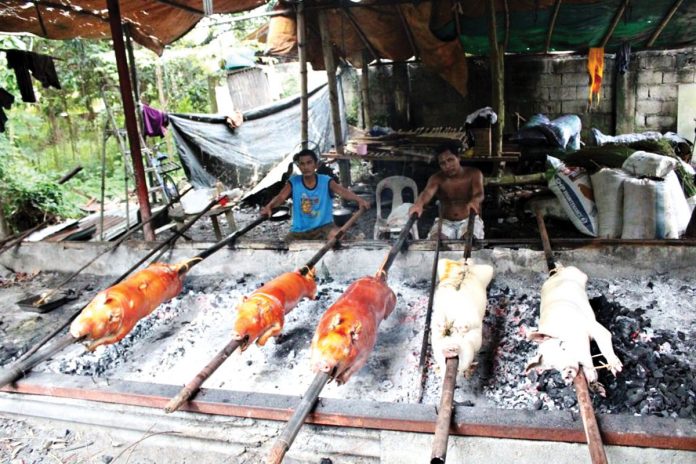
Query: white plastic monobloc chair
{"x": 397, "y": 184}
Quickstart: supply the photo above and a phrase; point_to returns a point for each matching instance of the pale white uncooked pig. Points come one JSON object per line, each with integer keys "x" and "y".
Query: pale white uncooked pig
{"x": 566, "y": 325}
{"x": 458, "y": 308}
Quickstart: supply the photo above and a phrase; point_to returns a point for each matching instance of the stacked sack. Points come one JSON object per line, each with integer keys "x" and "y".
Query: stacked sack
{"x": 654, "y": 204}
{"x": 642, "y": 200}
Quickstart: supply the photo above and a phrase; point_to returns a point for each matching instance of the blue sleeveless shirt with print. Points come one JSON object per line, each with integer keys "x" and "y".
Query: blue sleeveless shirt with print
{"x": 311, "y": 208}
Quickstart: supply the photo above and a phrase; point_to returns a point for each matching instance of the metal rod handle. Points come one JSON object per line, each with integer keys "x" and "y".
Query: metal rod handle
{"x": 469, "y": 235}
{"x": 444, "y": 414}
{"x": 283, "y": 443}
{"x": 194, "y": 385}
{"x": 18, "y": 369}
{"x": 548, "y": 253}
{"x": 331, "y": 243}
{"x": 589, "y": 421}
{"x": 396, "y": 248}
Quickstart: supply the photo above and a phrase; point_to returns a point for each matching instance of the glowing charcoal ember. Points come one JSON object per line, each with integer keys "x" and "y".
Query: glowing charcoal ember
{"x": 458, "y": 309}
{"x": 262, "y": 314}
{"x": 347, "y": 331}
{"x": 113, "y": 313}
{"x": 566, "y": 325}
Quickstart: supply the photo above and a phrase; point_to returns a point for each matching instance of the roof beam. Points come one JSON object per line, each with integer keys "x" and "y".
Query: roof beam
{"x": 663, "y": 23}
{"x": 507, "y": 25}
{"x": 552, "y": 25}
{"x": 615, "y": 22}
{"x": 361, "y": 34}
{"x": 407, "y": 30}
{"x": 71, "y": 9}
{"x": 186, "y": 8}
{"x": 40, "y": 18}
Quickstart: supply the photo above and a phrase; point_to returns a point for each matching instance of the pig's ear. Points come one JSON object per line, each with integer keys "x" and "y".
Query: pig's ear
{"x": 533, "y": 363}
{"x": 537, "y": 336}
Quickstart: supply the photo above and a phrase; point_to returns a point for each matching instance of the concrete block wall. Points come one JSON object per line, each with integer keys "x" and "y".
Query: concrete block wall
{"x": 551, "y": 85}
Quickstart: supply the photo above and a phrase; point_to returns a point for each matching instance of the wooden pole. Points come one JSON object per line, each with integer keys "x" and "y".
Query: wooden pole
{"x": 365, "y": 91}
{"x": 552, "y": 25}
{"x": 497, "y": 78}
{"x": 663, "y": 23}
{"x": 302, "y": 54}
{"x": 330, "y": 64}
{"x": 614, "y": 23}
{"x": 129, "y": 113}
{"x": 589, "y": 421}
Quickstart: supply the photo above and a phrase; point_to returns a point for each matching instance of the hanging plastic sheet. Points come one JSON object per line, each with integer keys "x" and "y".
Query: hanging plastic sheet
{"x": 210, "y": 150}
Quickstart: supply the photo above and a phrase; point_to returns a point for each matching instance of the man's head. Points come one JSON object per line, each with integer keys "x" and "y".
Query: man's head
{"x": 448, "y": 158}
{"x": 307, "y": 161}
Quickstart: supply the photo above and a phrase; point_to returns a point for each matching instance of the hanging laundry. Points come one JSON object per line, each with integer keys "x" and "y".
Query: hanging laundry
{"x": 19, "y": 61}
{"x": 623, "y": 57}
{"x": 40, "y": 66}
{"x": 595, "y": 66}
{"x": 6, "y": 101}
{"x": 154, "y": 121}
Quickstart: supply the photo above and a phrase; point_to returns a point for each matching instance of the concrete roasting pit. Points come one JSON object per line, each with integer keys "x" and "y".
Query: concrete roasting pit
{"x": 643, "y": 294}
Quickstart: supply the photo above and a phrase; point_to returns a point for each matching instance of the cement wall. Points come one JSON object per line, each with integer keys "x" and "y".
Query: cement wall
{"x": 190, "y": 437}
{"x": 353, "y": 260}
{"x": 552, "y": 85}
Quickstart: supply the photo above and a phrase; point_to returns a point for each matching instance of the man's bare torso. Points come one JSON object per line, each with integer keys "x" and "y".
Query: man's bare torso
{"x": 455, "y": 193}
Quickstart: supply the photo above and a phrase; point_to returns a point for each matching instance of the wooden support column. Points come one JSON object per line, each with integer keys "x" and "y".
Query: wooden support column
{"x": 330, "y": 64}
{"x": 302, "y": 55}
{"x": 497, "y": 59}
{"x": 365, "y": 91}
{"x": 4, "y": 228}
{"x": 625, "y": 101}
{"x": 129, "y": 113}
{"x": 401, "y": 117}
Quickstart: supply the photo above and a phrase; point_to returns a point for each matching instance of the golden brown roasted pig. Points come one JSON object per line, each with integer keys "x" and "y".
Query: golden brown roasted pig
{"x": 262, "y": 314}
{"x": 347, "y": 331}
{"x": 113, "y": 313}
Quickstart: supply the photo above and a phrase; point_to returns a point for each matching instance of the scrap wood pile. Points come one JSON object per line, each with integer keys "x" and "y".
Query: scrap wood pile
{"x": 419, "y": 144}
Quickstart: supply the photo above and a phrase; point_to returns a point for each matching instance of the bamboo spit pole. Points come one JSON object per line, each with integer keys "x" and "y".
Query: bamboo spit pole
{"x": 20, "y": 368}
{"x": 589, "y": 421}
{"x": 444, "y": 415}
{"x": 167, "y": 242}
{"x": 194, "y": 385}
{"x": 429, "y": 310}
{"x": 309, "y": 400}
{"x": 110, "y": 249}
{"x": 27, "y": 362}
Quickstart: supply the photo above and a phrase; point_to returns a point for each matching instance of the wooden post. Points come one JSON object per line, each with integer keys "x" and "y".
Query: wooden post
{"x": 365, "y": 91}
{"x": 302, "y": 54}
{"x": 159, "y": 76}
{"x": 4, "y": 229}
{"x": 330, "y": 64}
{"x": 497, "y": 60}
{"x": 401, "y": 117}
{"x": 129, "y": 113}
{"x": 624, "y": 101}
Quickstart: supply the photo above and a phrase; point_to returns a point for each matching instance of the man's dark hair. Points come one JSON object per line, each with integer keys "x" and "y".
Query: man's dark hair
{"x": 451, "y": 145}
{"x": 305, "y": 152}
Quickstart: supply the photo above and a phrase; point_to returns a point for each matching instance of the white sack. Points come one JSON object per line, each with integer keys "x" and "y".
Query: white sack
{"x": 607, "y": 185}
{"x": 642, "y": 163}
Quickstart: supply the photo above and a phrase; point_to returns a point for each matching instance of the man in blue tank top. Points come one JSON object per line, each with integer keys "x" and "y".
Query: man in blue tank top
{"x": 312, "y": 206}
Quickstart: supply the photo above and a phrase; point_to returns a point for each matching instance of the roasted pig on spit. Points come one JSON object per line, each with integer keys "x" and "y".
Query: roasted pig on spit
{"x": 347, "y": 331}
{"x": 566, "y": 325}
{"x": 261, "y": 315}
{"x": 458, "y": 308}
{"x": 113, "y": 313}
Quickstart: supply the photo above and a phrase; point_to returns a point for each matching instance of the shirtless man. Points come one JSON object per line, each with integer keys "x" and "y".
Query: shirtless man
{"x": 459, "y": 189}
